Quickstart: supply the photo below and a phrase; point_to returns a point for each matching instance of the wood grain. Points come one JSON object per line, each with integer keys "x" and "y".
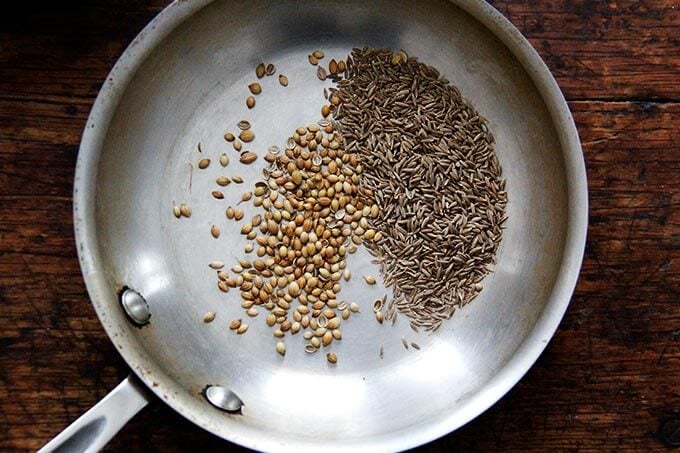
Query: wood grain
{"x": 605, "y": 382}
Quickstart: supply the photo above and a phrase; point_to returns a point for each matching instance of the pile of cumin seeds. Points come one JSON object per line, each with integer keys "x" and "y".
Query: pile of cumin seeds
{"x": 429, "y": 161}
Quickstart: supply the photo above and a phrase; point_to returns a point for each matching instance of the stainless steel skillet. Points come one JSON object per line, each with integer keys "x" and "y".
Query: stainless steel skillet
{"x": 183, "y": 81}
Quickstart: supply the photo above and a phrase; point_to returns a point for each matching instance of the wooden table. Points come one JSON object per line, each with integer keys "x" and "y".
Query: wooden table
{"x": 608, "y": 379}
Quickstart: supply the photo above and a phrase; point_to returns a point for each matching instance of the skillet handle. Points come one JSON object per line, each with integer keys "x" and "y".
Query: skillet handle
{"x": 96, "y": 427}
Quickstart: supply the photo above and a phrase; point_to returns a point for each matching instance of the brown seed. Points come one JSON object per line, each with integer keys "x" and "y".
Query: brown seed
{"x": 222, "y": 286}
{"x": 242, "y": 329}
{"x": 331, "y": 357}
{"x": 237, "y": 179}
{"x": 185, "y": 210}
{"x": 229, "y": 137}
{"x": 235, "y": 324}
{"x": 250, "y": 102}
{"x": 341, "y": 66}
{"x": 176, "y": 211}
{"x": 209, "y": 317}
{"x": 379, "y": 317}
{"x": 369, "y": 279}
{"x": 217, "y": 194}
{"x": 237, "y": 145}
{"x": 224, "y": 160}
{"x": 246, "y": 136}
{"x": 215, "y": 231}
{"x": 318, "y": 54}
{"x": 312, "y": 59}
{"x": 271, "y": 69}
{"x": 321, "y": 73}
{"x": 216, "y": 265}
{"x": 260, "y": 70}
{"x": 283, "y": 80}
{"x": 333, "y": 66}
{"x": 255, "y": 88}
{"x": 230, "y": 213}
{"x": 325, "y": 110}
{"x": 281, "y": 348}
{"x": 247, "y": 157}
{"x": 238, "y": 214}
{"x": 246, "y": 196}
{"x": 203, "y": 163}
{"x": 222, "y": 181}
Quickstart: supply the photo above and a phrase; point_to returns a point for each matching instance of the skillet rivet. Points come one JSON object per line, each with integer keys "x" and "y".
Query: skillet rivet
{"x": 135, "y": 307}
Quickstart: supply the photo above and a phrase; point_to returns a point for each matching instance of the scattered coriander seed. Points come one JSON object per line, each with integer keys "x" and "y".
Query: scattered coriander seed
{"x": 185, "y": 210}
{"x": 318, "y": 54}
{"x": 223, "y": 181}
{"x": 242, "y": 329}
{"x": 203, "y": 163}
{"x": 217, "y": 194}
{"x": 176, "y": 211}
{"x": 216, "y": 265}
{"x": 321, "y": 73}
{"x": 246, "y": 136}
{"x": 271, "y": 69}
{"x": 235, "y": 324}
{"x": 250, "y": 102}
{"x": 224, "y": 160}
{"x": 237, "y": 145}
{"x": 283, "y": 80}
{"x": 243, "y": 125}
{"x": 255, "y": 88}
{"x": 331, "y": 357}
{"x": 229, "y": 137}
{"x": 247, "y": 157}
{"x": 209, "y": 317}
{"x": 415, "y": 346}
{"x": 325, "y": 110}
{"x": 313, "y": 60}
{"x": 215, "y": 231}
{"x": 260, "y": 70}
{"x": 237, "y": 179}
{"x": 281, "y": 348}
{"x": 222, "y": 286}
